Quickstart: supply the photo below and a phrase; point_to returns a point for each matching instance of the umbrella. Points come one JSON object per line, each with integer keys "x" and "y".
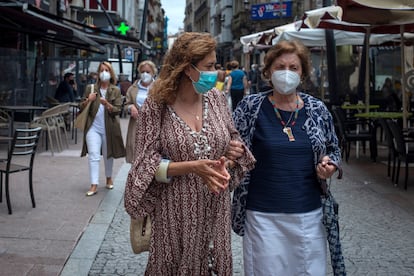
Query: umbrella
{"x": 316, "y": 37}
{"x": 367, "y": 16}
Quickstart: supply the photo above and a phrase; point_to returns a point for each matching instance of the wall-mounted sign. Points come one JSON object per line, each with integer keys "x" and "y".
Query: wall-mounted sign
{"x": 271, "y": 10}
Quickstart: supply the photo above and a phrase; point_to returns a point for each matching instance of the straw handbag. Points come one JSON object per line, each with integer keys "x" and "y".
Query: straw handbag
{"x": 140, "y": 233}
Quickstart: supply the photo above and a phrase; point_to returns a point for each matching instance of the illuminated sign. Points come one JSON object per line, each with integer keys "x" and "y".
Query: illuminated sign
{"x": 123, "y": 29}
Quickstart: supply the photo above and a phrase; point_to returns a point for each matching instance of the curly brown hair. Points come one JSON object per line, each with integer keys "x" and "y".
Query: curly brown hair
{"x": 189, "y": 48}
{"x": 288, "y": 47}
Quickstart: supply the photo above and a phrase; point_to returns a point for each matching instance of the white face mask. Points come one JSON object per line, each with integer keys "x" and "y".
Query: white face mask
{"x": 104, "y": 76}
{"x": 285, "y": 81}
{"x": 146, "y": 77}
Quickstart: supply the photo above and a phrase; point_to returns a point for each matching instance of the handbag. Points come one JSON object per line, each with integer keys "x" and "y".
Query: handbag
{"x": 140, "y": 234}
{"x": 81, "y": 118}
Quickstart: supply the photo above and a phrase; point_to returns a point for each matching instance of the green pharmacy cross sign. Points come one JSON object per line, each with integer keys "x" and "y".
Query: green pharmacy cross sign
{"x": 123, "y": 28}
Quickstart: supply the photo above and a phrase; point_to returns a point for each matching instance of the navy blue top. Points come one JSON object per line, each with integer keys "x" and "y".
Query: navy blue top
{"x": 284, "y": 178}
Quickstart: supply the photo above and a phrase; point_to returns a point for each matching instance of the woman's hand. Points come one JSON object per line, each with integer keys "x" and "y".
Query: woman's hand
{"x": 134, "y": 111}
{"x": 105, "y": 103}
{"x": 325, "y": 169}
{"x": 235, "y": 150}
{"x": 92, "y": 96}
{"x": 213, "y": 173}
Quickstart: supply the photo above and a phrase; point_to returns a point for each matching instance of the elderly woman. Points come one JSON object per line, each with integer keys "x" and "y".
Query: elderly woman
{"x": 135, "y": 97}
{"x": 180, "y": 176}
{"x": 292, "y": 136}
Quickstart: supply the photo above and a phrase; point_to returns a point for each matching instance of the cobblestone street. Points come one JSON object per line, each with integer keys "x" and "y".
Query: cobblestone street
{"x": 376, "y": 219}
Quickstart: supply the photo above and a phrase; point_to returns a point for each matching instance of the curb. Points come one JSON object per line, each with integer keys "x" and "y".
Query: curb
{"x": 80, "y": 261}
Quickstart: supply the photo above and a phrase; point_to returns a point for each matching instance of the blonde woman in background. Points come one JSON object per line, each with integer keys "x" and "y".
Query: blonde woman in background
{"x": 135, "y": 97}
{"x": 102, "y": 132}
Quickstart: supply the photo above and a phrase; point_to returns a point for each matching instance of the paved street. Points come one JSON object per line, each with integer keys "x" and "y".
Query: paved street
{"x": 69, "y": 234}
{"x": 377, "y": 228}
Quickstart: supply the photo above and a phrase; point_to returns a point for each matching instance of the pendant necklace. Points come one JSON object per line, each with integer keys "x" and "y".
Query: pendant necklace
{"x": 286, "y": 128}
{"x": 193, "y": 114}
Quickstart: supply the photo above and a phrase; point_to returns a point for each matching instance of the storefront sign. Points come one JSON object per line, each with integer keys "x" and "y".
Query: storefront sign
{"x": 271, "y": 10}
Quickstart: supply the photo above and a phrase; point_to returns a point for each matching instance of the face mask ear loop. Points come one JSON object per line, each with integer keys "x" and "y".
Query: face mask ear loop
{"x": 197, "y": 71}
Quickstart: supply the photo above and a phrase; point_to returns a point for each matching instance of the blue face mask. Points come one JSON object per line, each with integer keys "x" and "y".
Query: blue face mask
{"x": 206, "y": 81}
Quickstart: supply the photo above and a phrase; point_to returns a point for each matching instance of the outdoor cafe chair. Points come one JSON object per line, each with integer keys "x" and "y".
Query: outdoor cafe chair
{"x": 352, "y": 131}
{"x": 52, "y": 121}
{"x": 24, "y": 144}
{"x": 4, "y": 119}
{"x": 404, "y": 152}
{"x": 392, "y": 152}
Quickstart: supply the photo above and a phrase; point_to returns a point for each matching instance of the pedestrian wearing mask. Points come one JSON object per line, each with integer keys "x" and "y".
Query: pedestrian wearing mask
{"x": 185, "y": 168}
{"x": 67, "y": 89}
{"x": 135, "y": 97}
{"x": 102, "y": 132}
{"x": 292, "y": 136}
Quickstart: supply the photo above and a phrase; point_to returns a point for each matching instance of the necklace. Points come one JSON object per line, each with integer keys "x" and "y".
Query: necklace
{"x": 202, "y": 147}
{"x": 286, "y": 128}
{"x": 195, "y": 115}
{"x": 191, "y": 113}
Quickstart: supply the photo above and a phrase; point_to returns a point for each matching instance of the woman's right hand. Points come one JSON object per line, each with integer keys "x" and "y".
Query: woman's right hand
{"x": 213, "y": 173}
{"x": 92, "y": 96}
{"x": 134, "y": 112}
{"x": 235, "y": 150}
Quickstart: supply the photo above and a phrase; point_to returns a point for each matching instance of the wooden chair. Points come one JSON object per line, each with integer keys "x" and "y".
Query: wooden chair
{"x": 24, "y": 143}
{"x": 404, "y": 153}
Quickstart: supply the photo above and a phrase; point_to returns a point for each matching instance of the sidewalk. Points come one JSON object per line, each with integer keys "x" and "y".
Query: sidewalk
{"x": 70, "y": 234}
{"x": 39, "y": 241}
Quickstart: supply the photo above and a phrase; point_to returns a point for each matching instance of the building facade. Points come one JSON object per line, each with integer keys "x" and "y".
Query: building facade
{"x": 42, "y": 40}
{"x": 228, "y": 20}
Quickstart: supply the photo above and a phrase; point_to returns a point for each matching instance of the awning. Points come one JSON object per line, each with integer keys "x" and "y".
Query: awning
{"x": 104, "y": 38}
{"x": 24, "y": 18}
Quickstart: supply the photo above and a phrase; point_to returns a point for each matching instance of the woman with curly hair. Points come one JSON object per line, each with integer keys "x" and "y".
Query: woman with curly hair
{"x": 188, "y": 159}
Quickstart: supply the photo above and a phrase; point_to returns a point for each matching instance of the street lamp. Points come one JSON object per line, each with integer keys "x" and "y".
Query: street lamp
{"x": 78, "y": 4}
{"x": 246, "y": 4}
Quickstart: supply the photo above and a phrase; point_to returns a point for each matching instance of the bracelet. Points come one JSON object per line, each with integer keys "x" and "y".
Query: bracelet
{"x": 161, "y": 173}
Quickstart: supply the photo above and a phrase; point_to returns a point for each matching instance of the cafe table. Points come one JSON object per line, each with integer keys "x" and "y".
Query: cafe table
{"x": 12, "y": 109}
{"x": 378, "y": 115}
{"x": 75, "y": 109}
{"x": 359, "y": 106}
{"x": 381, "y": 114}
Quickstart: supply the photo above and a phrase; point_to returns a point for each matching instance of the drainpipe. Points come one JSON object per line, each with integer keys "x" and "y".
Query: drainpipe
{"x": 114, "y": 31}
{"x": 331, "y": 62}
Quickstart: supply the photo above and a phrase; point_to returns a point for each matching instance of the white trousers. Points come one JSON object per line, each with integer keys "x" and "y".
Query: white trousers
{"x": 96, "y": 140}
{"x": 284, "y": 244}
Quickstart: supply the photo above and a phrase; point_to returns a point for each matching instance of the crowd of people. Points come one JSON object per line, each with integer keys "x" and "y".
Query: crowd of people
{"x": 190, "y": 148}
